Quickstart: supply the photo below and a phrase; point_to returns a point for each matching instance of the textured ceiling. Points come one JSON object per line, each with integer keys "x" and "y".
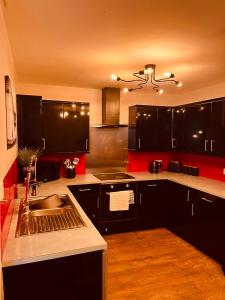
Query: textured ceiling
{"x": 81, "y": 43}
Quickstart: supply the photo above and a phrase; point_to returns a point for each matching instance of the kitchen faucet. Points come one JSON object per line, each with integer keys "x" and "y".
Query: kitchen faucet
{"x": 27, "y": 182}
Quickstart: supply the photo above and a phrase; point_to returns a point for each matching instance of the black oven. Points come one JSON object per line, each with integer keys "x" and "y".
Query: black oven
{"x": 109, "y": 216}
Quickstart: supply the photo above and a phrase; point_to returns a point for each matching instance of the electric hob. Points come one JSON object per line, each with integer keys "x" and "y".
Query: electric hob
{"x": 112, "y": 176}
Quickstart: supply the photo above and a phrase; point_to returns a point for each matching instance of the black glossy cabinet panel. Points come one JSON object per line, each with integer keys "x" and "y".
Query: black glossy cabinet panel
{"x": 164, "y": 128}
{"x": 72, "y": 277}
{"x": 197, "y": 128}
{"x": 217, "y": 142}
{"x": 178, "y": 118}
{"x": 88, "y": 196}
{"x": 152, "y": 204}
{"x": 179, "y": 205}
{"x": 29, "y": 121}
{"x": 149, "y": 128}
{"x": 65, "y": 127}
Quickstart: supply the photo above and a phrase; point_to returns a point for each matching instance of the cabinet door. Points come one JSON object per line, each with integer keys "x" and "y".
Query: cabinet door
{"x": 147, "y": 134}
{"x": 65, "y": 126}
{"x": 197, "y": 128}
{"x": 29, "y": 121}
{"x": 179, "y": 205}
{"x": 209, "y": 225}
{"x": 217, "y": 142}
{"x": 178, "y": 115}
{"x": 52, "y": 120}
{"x": 76, "y": 127}
{"x": 152, "y": 204}
{"x": 88, "y": 197}
{"x": 164, "y": 128}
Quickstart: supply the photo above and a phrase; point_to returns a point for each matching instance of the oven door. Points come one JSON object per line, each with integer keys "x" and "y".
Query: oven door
{"x": 106, "y": 214}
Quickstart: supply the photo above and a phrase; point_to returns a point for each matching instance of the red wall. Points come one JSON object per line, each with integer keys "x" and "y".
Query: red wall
{"x": 6, "y": 207}
{"x": 80, "y": 168}
{"x": 211, "y": 167}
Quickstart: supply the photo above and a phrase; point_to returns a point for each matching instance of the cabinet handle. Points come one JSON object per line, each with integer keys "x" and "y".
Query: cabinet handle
{"x": 139, "y": 143}
{"x": 151, "y": 185}
{"x": 93, "y": 216}
{"x": 43, "y": 143}
{"x": 83, "y": 190}
{"x": 140, "y": 199}
{"x": 86, "y": 144}
{"x": 98, "y": 202}
{"x": 207, "y": 200}
{"x": 192, "y": 209}
{"x": 206, "y": 142}
{"x": 188, "y": 195}
{"x": 172, "y": 142}
{"x": 211, "y": 145}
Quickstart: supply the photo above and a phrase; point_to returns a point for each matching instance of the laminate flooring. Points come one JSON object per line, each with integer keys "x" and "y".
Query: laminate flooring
{"x": 158, "y": 265}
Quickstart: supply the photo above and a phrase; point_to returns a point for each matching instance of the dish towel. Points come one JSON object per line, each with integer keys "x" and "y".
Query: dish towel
{"x": 120, "y": 200}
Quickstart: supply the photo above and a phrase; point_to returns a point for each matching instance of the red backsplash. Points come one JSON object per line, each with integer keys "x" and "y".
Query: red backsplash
{"x": 80, "y": 168}
{"x": 6, "y": 208}
{"x": 139, "y": 161}
{"x": 209, "y": 166}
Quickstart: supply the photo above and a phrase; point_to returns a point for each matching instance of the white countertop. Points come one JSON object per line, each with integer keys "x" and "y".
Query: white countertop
{"x": 49, "y": 245}
{"x": 55, "y": 244}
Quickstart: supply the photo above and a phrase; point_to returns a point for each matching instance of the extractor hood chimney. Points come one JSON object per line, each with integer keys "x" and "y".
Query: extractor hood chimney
{"x": 111, "y": 108}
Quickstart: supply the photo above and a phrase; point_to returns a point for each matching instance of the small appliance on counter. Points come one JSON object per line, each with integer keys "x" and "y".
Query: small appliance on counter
{"x": 190, "y": 170}
{"x": 71, "y": 167}
{"x": 155, "y": 166}
{"x": 175, "y": 166}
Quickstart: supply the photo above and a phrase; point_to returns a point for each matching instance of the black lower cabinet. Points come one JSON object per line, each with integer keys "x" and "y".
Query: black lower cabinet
{"x": 87, "y": 195}
{"x": 179, "y": 205}
{"x": 152, "y": 204}
{"x": 75, "y": 277}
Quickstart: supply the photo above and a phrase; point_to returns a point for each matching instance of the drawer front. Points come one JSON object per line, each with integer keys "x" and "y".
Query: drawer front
{"x": 150, "y": 185}
{"x": 84, "y": 190}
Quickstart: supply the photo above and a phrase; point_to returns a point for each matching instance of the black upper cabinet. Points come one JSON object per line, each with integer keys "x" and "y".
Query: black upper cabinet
{"x": 197, "y": 128}
{"x": 29, "y": 121}
{"x": 65, "y": 126}
{"x": 178, "y": 115}
{"x": 217, "y": 142}
{"x": 164, "y": 128}
{"x": 149, "y": 128}
{"x": 204, "y": 128}
{"x": 142, "y": 128}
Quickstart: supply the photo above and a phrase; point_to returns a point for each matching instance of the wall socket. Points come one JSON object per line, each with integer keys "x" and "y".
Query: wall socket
{"x": 223, "y": 171}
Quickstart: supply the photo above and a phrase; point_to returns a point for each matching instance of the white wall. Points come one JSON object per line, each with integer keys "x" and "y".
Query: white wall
{"x": 7, "y": 157}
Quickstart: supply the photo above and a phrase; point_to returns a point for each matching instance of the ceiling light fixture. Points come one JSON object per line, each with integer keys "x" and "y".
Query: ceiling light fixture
{"x": 148, "y": 75}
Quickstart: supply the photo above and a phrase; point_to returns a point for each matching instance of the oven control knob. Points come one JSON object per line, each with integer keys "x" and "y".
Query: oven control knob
{"x": 111, "y": 186}
{"x": 127, "y": 185}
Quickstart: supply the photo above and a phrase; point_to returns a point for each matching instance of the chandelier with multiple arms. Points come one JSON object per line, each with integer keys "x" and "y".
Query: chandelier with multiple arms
{"x": 148, "y": 75}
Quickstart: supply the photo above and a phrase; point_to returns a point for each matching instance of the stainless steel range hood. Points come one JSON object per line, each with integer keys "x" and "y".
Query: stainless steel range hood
{"x": 110, "y": 108}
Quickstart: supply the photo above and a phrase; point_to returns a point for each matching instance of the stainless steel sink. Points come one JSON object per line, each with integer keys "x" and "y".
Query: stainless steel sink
{"x": 61, "y": 214}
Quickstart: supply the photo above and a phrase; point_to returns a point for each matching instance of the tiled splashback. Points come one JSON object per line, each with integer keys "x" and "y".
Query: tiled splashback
{"x": 209, "y": 166}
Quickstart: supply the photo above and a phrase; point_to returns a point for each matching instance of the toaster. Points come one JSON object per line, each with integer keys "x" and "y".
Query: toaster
{"x": 175, "y": 166}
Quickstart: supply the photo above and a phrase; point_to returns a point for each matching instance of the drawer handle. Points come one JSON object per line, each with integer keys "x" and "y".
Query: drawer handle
{"x": 152, "y": 185}
{"x": 83, "y": 190}
{"x": 207, "y": 200}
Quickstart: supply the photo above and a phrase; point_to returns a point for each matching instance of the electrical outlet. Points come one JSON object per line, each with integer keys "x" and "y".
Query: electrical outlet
{"x": 223, "y": 171}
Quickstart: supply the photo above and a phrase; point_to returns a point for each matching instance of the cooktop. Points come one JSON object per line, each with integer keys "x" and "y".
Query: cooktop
{"x": 112, "y": 176}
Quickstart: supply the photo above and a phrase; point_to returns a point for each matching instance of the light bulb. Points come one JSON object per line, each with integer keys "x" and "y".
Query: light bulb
{"x": 82, "y": 113}
{"x": 160, "y": 91}
{"x": 125, "y": 90}
{"x": 82, "y": 107}
{"x": 167, "y": 74}
{"x": 73, "y": 105}
{"x": 114, "y": 77}
{"x": 179, "y": 84}
{"x": 148, "y": 71}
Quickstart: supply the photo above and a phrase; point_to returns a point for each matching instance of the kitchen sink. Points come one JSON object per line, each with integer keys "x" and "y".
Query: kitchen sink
{"x": 52, "y": 213}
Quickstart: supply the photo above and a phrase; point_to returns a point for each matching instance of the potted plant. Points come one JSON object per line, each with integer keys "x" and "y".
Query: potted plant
{"x": 25, "y": 154}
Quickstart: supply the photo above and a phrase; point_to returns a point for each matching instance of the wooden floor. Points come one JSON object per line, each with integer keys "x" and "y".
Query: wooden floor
{"x": 157, "y": 265}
